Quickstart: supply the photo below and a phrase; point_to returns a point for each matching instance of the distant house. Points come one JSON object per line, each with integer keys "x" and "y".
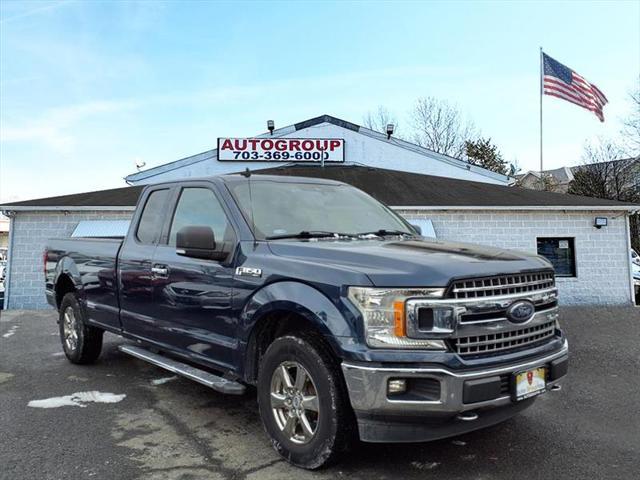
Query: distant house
{"x": 556, "y": 180}
{"x": 4, "y": 234}
{"x": 559, "y": 179}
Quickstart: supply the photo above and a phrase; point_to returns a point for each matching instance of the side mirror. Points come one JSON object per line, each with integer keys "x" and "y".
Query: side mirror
{"x": 198, "y": 241}
{"x": 417, "y": 228}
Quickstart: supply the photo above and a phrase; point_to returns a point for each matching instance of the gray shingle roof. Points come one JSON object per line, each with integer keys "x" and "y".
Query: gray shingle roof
{"x": 115, "y": 197}
{"x": 392, "y": 187}
{"x": 405, "y": 189}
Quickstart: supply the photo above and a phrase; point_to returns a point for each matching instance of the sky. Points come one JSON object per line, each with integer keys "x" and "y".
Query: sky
{"x": 89, "y": 88}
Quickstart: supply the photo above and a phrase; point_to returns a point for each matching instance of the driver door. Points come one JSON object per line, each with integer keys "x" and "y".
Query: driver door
{"x": 193, "y": 296}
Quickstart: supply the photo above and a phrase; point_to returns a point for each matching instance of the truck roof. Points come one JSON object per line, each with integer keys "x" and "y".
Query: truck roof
{"x": 238, "y": 178}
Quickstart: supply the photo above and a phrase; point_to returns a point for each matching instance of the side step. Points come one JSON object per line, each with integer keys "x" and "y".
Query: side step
{"x": 209, "y": 379}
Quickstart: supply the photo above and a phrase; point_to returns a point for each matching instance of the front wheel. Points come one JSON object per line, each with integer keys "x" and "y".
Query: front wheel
{"x": 303, "y": 402}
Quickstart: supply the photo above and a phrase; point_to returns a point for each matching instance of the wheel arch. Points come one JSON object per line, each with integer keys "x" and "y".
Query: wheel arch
{"x": 67, "y": 279}
{"x": 288, "y": 307}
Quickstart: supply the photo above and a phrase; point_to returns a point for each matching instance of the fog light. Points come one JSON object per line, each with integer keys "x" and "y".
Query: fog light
{"x": 397, "y": 385}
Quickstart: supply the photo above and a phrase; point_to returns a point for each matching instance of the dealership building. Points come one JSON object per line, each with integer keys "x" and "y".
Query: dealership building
{"x": 587, "y": 239}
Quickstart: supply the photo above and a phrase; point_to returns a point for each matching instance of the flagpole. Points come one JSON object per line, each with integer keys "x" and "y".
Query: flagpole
{"x": 541, "y": 93}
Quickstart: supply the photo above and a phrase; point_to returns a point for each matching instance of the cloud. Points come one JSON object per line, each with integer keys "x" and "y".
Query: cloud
{"x": 54, "y": 128}
{"x": 35, "y": 11}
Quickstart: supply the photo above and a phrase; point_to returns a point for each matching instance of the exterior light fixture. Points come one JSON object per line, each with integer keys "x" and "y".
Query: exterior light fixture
{"x": 397, "y": 386}
{"x": 270, "y": 126}
{"x": 390, "y": 128}
{"x": 601, "y": 222}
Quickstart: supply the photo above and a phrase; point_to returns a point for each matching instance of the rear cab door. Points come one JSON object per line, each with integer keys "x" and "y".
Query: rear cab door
{"x": 135, "y": 263}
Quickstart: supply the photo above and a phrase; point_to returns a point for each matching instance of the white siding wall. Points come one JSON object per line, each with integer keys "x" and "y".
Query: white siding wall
{"x": 602, "y": 257}
{"x": 31, "y": 230}
{"x": 359, "y": 148}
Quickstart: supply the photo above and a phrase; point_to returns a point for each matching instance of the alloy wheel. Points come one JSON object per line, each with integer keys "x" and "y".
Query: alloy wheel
{"x": 70, "y": 329}
{"x": 294, "y": 402}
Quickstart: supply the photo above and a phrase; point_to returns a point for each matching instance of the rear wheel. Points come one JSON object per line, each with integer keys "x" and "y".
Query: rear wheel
{"x": 81, "y": 343}
{"x": 303, "y": 402}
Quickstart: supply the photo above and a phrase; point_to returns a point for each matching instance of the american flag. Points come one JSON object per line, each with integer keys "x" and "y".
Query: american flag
{"x": 562, "y": 82}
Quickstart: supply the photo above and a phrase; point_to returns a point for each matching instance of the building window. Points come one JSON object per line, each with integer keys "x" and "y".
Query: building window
{"x": 561, "y": 253}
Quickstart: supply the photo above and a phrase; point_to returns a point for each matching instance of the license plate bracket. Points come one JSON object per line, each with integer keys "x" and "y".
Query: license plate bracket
{"x": 528, "y": 383}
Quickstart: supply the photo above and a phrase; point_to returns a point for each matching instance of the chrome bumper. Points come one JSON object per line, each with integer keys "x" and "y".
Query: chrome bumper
{"x": 368, "y": 387}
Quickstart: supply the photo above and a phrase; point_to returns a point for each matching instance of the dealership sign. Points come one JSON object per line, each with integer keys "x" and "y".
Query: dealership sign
{"x": 281, "y": 149}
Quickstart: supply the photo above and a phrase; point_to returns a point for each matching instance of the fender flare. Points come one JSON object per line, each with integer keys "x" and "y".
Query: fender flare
{"x": 67, "y": 267}
{"x": 302, "y": 299}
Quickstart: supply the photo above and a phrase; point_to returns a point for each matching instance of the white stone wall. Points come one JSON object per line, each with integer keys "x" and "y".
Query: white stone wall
{"x": 602, "y": 258}
{"x": 31, "y": 230}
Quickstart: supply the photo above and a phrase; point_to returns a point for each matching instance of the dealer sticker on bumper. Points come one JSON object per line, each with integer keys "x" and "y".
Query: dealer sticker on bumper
{"x": 530, "y": 383}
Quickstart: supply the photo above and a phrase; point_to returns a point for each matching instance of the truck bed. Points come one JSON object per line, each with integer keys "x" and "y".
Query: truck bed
{"x": 91, "y": 262}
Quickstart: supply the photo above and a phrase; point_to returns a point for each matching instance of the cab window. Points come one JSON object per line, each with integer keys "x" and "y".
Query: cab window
{"x": 150, "y": 224}
{"x": 200, "y": 207}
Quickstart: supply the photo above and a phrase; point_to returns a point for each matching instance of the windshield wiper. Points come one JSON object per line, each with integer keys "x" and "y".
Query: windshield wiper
{"x": 310, "y": 234}
{"x": 383, "y": 232}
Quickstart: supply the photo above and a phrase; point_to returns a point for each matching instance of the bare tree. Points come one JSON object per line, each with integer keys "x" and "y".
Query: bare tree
{"x": 379, "y": 119}
{"x": 440, "y": 127}
{"x": 605, "y": 173}
{"x": 631, "y": 129}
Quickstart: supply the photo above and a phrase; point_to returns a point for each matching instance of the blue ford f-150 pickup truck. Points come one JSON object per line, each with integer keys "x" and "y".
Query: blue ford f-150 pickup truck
{"x": 348, "y": 322}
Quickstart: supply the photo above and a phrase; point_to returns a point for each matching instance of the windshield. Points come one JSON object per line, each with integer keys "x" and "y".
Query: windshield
{"x": 287, "y": 208}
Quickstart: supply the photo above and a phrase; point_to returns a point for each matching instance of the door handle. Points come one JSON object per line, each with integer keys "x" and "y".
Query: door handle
{"x": 160, "y": 270}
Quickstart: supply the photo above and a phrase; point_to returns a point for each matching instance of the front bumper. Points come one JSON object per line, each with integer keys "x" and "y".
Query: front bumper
{"x": 438, "y": 395}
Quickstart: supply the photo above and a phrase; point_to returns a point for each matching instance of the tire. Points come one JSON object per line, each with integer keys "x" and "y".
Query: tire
{"x": 332, "y": 427}
{"x": 81, "y": 343}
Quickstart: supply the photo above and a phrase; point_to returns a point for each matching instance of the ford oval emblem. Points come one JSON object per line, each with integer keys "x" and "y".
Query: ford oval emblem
{"x": 521, "y": 311}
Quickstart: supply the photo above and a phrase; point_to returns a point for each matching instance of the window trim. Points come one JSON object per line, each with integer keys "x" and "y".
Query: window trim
{"x": 175, "y": 198}
{"x": 573, "y": 248}
{"x": 142, "y": 209}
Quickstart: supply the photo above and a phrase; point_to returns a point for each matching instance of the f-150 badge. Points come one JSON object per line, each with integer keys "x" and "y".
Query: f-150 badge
{"x": 248, "y": 272}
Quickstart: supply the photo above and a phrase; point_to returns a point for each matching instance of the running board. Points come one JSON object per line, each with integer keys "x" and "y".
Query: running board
{"x": 205, "y": 378}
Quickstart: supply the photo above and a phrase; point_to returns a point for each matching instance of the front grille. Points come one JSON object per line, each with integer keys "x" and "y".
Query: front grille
{"x": 501, "y": 313}
{"x": 502, "y": 285}
{"x": 496, "y": 342}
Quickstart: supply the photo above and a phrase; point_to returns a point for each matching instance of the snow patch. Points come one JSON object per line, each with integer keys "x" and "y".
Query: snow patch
{"x": 10, "y": 332}
{"x": 77, "y": 399}
{"x": 425, "y": 465}
{"x": 162, "y": 381}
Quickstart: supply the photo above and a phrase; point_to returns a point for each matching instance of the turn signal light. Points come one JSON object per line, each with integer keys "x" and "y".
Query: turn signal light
{"x": 400, "y": 326}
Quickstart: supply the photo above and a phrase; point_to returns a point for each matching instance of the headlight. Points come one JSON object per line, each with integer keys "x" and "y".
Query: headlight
{"x": 383, "y": 311}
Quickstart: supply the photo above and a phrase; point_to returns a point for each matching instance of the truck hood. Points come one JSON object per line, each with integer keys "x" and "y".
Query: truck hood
{"x": 416, "y": 262}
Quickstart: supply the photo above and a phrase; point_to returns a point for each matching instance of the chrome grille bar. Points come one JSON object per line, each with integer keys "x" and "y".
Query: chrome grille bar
{"x": 502, "y": 285}
{"x": 494, "y": 342}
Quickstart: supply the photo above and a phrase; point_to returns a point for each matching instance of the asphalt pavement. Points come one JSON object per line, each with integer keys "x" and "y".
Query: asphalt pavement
{"x": 146, "y": 423}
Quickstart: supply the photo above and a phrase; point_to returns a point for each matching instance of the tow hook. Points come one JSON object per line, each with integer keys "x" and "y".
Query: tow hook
{"x": 467, "y": 416}
{"x": 555, "y": 388}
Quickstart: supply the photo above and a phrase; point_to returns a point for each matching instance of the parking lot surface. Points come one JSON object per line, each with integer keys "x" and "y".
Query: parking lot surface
{"x": 149, "y": 424}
